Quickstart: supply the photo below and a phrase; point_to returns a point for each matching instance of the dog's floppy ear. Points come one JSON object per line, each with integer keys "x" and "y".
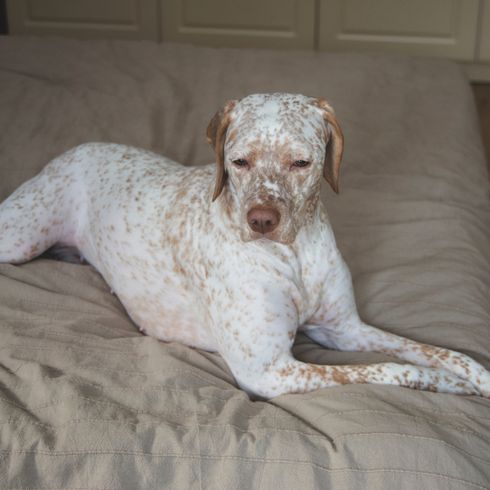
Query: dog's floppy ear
{"x": 335, "y": 144}
{"x": 216, "y": 135}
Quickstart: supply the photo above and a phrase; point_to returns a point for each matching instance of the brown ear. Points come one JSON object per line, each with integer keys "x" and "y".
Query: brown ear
{"x": 335, "y": 144}
{"x": 216, "y": 135}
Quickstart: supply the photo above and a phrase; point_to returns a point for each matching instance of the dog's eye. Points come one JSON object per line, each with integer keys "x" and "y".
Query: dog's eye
{"x": 301, "y": 163}
{"x": 240, "y": 162}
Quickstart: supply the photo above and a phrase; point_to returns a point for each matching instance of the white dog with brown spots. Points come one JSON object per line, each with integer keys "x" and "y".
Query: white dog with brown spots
{"x": 234, "y": 257}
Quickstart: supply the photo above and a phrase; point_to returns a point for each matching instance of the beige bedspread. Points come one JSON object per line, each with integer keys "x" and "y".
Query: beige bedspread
{"x": 88, "y": 402}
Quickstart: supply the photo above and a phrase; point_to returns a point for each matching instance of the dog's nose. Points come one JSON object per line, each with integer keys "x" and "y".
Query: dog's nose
{"x": 263, "y": 219}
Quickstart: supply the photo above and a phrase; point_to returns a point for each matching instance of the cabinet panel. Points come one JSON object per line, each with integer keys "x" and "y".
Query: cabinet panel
{"x": 241, "y": 23}
{"x": 124, "y": 19}
{"x": 439, "y": 28}
{"x": 484, "y": 51}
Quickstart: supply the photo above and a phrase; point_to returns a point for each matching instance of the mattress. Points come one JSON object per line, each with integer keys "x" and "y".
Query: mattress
{"x": 88, "y": 402}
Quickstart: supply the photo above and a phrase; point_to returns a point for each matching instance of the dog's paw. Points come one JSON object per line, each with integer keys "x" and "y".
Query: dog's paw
{"x": 483, "y": 383}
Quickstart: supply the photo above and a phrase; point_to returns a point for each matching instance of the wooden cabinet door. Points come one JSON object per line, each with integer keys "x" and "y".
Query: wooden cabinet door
{"x": 437, "y": 28}
{"x": 123, "y": 19}
{"x": 484, "y": 41}
{"x": 240, "y": 23}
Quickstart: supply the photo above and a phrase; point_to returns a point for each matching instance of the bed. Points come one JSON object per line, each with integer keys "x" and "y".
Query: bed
{"x": 86, "y": 401}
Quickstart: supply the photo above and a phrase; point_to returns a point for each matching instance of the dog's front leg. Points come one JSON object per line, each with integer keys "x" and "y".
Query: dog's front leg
{"x": 337, "y": 325}
{"x": 255, "y": 331}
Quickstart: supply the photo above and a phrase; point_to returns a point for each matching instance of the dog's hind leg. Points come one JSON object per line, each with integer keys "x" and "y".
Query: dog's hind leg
{"x": 35, "y": 216}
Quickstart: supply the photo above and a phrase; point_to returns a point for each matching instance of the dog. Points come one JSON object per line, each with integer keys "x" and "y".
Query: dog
{"x": 233, "y": 257}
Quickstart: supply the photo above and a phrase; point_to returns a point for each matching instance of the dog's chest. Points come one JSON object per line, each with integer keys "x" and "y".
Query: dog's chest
{"x": 314, "y": 260}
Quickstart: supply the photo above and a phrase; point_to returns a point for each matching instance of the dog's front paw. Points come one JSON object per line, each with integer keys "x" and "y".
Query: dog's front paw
{"x": 469, "y": 370}
{"x": 483, "y": 383}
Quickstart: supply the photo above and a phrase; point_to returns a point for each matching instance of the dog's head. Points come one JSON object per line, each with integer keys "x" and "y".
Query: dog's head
{"x": 271, "y": 153}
